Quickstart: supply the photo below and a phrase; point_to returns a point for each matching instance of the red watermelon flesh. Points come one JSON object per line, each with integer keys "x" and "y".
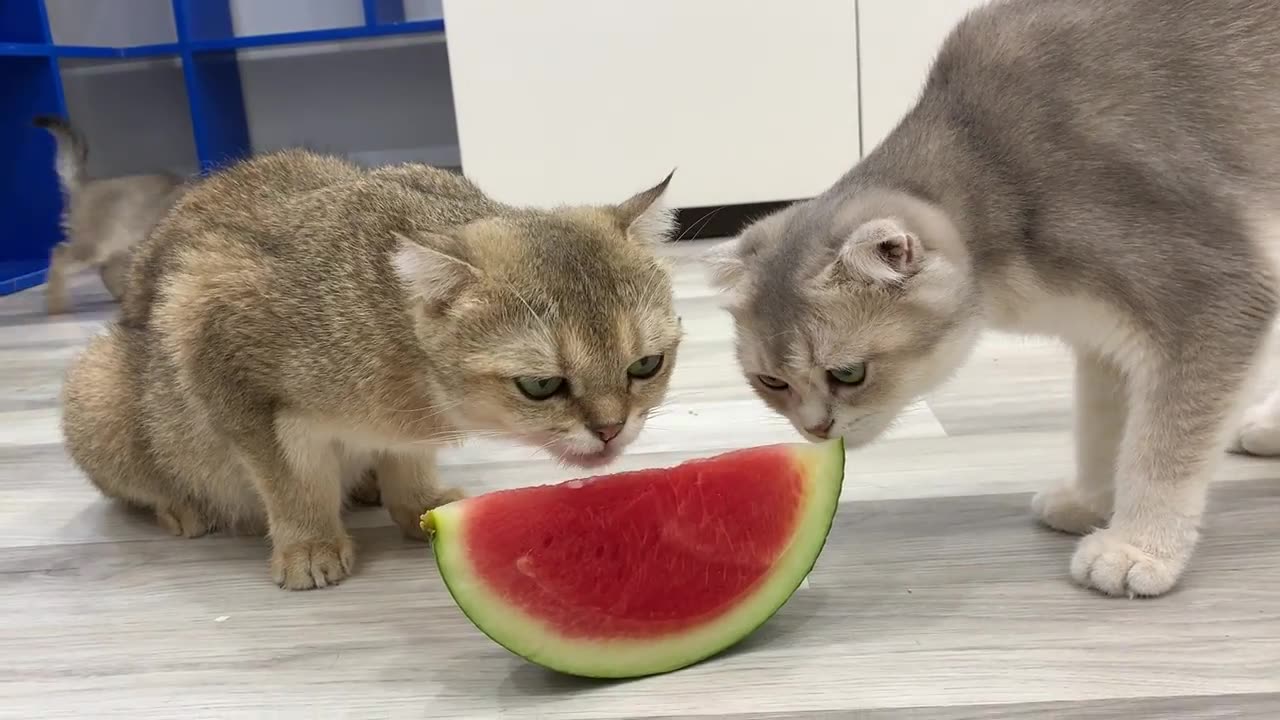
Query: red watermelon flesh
{"x": 640, "y": 572}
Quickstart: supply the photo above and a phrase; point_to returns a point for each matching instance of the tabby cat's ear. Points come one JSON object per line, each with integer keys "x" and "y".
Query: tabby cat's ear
{"x": 725, "y": 265}
{"x": 432, "y": 268}
{"x": 645, "y": 216}
{"x": 880, "y": 252}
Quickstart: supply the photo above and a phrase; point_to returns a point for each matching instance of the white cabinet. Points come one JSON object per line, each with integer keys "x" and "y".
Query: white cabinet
{"x": 565, "y": 101}
{"x": 898, "y": 42}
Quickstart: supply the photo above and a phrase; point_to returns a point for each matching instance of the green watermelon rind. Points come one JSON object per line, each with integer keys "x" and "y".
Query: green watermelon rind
{"x": 525, "y": 635}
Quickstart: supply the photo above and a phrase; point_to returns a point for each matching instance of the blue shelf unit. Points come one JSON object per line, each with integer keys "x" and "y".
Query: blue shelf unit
{"x": 206, "y": 45}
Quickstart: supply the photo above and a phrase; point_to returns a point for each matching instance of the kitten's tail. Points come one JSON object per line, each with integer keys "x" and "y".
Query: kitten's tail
{"x": 73, "y": 152}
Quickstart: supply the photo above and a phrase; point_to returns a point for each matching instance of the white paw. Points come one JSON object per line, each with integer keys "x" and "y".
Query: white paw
{"x": 1258, "y": 436}
{"x": 1112, "y": 562}
{"x": 1062, "y": 509}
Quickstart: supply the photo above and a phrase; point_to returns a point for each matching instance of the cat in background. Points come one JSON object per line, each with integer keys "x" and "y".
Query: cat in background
{"x": 1102, "y": 171}
{"x": 102, "y": 220}
{"x": 298, "y": 328}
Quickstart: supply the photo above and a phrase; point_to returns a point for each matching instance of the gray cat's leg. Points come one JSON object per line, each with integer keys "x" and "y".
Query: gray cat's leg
{"x": 1259, "y": 430}
{"x": 1173, "y": 439}
{"x": 1084, "y": 505}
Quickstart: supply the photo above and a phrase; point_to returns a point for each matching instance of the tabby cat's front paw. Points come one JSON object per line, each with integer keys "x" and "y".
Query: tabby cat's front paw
{"x": 1117, "y": 564}
{"x": 1063, "y": 509}
{"x": 312, "y": 563}
{"x": 409, "y": 517}
{"x": 183, "y": 520}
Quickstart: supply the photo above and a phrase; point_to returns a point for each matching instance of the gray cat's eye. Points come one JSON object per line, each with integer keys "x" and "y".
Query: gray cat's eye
{"x": 852, "y": 375}
{"x": 645, "y": 367}
{"x": 772, "y": 382}
{"x": 539, "y": 388}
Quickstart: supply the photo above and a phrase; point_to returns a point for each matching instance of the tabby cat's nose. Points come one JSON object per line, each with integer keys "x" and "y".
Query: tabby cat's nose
{"x": 607, "y": 432}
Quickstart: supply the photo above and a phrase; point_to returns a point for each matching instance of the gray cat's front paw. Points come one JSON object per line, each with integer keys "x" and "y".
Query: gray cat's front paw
{"x": 1118, "y": 564}
{"x": 1063, "y": 509}
{"x": 1259, "y": 437}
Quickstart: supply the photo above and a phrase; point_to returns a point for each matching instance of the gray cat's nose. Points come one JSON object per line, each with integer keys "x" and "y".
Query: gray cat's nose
{"x": 607, "y": 432}
{"x": 821, "y": 429}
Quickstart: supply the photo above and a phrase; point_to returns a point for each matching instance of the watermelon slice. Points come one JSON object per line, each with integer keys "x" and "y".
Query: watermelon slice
{"x": 641, "y": 572}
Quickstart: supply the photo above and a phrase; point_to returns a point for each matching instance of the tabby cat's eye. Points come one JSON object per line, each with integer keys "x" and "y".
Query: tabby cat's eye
{"x": 645, "y": 367}
{"x": 772, "y": 382}
{"x": 851, "y": 375}
{"x": 540, "y": 388}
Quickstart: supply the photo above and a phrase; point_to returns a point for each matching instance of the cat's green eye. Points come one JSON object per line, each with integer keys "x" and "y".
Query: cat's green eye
{"x": 852, "y": 375}
{"x": 645, "y": 367}
{"x": 540, "y": 388}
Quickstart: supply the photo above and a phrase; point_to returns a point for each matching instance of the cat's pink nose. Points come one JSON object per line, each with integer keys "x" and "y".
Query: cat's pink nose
{"x": 821, "y": 429}
{"x": 607, "y": 432}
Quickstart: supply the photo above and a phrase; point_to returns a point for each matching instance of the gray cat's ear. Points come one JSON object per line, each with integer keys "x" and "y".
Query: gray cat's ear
{"x": 880, "y": 252}
{"x": 431, "y": 268}
{"x": 725, "y": 265}
{"x": 645, "y": 216}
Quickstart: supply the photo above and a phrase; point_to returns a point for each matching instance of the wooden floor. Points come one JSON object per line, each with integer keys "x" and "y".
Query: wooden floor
{"x": 937, "y": 597}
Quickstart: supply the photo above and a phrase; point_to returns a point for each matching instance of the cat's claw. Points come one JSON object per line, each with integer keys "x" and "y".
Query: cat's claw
{"x": 313, "y": 563}
{"x": 409, "y": 517}
{"x": 1107, "y": 561}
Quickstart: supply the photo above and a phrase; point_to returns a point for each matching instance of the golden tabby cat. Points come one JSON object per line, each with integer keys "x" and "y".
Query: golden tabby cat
{"x": 297, "y": 324}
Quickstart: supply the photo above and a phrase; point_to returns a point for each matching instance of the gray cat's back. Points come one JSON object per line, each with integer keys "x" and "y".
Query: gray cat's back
{"x": 1176, "y": 85}
{"x": 1127, "y": 149}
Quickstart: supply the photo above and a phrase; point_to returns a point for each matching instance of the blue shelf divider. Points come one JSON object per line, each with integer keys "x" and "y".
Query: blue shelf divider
{"x": 213, "y": 82}
{"x": 31, "y": 84}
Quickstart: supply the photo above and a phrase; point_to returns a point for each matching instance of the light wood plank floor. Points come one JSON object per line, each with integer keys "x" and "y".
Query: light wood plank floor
{"x": 937, "y": 597}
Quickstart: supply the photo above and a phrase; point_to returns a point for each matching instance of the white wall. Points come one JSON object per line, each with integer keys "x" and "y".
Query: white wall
{"x": 562, "y": 101}
{"x": 899, "y": 39}
{"x": 559, "y": 100}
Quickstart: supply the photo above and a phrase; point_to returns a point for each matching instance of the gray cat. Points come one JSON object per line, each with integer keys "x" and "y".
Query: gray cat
{"x": 102, "y": 219}
{"x": 1102, "y": 171}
